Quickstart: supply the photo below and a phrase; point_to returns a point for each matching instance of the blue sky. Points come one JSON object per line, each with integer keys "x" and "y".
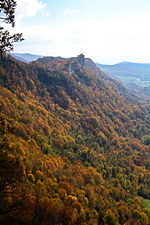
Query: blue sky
{"x": 108, "y": 31}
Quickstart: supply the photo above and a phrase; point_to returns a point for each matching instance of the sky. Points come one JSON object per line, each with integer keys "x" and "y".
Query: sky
{"x": 107, "y": 31}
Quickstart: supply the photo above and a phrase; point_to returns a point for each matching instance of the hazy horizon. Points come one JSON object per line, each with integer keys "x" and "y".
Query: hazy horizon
{"x": 108, "y": 32}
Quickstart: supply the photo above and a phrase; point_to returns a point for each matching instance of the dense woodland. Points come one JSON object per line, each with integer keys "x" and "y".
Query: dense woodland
{"x": 74, "y": 146}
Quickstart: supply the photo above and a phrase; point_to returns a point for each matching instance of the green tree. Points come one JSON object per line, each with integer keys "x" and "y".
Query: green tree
{"x": 7, "y": 15}
{"x": 110, "y": 218}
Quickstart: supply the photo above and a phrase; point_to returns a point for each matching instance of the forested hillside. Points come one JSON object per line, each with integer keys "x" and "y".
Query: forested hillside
{"x": 75, "y": 146}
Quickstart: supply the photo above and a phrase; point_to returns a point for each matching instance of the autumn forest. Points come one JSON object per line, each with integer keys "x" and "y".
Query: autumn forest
{"x": 74, "y": 145}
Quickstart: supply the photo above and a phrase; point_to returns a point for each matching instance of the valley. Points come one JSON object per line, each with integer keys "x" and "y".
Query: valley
{"x": 135, "y": 76}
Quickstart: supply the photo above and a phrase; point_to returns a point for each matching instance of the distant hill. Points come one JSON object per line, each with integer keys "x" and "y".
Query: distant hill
{"x": 129, "y": 72}
{"x": 26, "y": 57}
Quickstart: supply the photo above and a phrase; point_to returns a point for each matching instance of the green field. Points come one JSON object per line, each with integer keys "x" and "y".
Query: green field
{"x": 146, "y": 203}
{"x": 135, "y": 80}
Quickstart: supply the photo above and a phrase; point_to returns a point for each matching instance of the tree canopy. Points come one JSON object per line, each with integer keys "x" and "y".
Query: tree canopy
{"x": 7, "y": 15}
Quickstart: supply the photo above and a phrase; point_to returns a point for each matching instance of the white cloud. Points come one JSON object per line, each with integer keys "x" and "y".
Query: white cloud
{"x": 103, "y": 40}
{"x": 47, "y": 14}
{"x": 27, "y": 8}
{"x": 69, "y": 12}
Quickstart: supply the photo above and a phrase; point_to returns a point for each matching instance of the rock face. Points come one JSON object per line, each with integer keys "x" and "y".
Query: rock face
{"x": 81, "y": 59}
{"x": 74, "y": 62}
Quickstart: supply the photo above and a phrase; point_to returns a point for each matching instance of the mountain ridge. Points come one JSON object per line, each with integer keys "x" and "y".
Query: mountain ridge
{"x": 25, "y": 57}
{"x": 138, "y": 70}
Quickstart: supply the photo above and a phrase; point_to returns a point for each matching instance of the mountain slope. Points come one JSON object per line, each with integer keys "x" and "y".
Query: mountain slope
{"x": 77, "y": 144}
